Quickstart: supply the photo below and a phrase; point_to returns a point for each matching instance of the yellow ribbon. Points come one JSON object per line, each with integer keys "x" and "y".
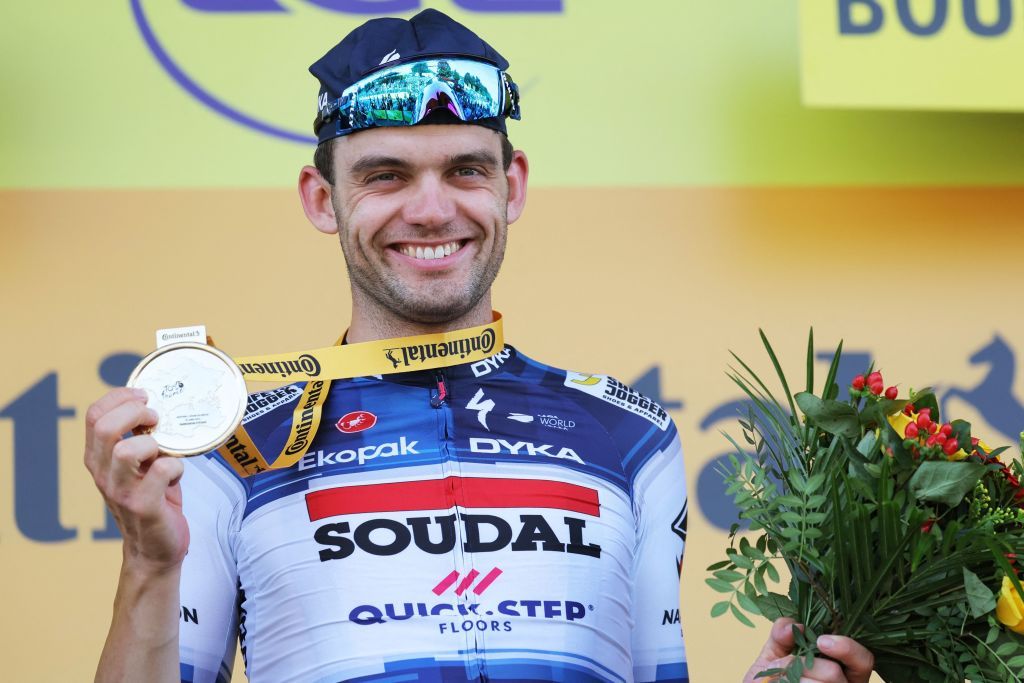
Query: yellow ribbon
{"x": 319, "y": 367}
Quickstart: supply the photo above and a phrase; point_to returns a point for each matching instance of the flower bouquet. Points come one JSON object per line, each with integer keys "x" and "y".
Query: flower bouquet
{"x": 898, "y": 529}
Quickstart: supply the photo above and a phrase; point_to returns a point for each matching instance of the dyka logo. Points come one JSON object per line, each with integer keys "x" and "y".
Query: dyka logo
{"x": 356, "y": 421}
{"x": 242, "y": 115}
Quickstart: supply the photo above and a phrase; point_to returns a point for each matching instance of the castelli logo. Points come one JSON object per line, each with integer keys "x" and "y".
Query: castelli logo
{"x": 357, "y": 421}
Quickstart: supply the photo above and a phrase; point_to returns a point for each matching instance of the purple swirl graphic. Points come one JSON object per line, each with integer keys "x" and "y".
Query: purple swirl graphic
{"x": 208, "y": 99}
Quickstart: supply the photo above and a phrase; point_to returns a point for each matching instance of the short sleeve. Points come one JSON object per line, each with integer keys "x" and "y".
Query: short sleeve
{"x": 208, "y": 615}
{"x": 659, "y": 506}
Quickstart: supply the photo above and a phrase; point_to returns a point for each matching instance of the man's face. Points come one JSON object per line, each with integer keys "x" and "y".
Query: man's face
{"x": 422, "y": 217}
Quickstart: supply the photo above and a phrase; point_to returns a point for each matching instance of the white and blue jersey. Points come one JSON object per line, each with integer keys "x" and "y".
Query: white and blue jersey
{"x": 496, "y": 521}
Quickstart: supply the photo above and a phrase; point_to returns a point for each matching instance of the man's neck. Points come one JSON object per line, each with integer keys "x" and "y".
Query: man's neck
{"x": 371, "y": 326}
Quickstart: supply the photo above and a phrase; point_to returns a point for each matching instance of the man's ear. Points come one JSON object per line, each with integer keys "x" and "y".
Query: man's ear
{"x": 518, "y": 173}
{"x": 315, "y": 194}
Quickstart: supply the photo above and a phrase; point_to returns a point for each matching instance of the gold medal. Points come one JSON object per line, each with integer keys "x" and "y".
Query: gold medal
{"x": 197, "y": 391}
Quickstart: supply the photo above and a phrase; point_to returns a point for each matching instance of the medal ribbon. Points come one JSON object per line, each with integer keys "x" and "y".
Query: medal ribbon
{"x": 319, "y": 367}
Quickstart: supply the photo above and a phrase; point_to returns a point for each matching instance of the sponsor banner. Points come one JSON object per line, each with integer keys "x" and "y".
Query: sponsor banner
{"x": 912, "y": 54}
{"x": 217, "y": 92}
{"x": 926, "y": 286}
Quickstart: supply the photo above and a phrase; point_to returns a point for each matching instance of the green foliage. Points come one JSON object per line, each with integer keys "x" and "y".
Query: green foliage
{"x": 887, "y": 539}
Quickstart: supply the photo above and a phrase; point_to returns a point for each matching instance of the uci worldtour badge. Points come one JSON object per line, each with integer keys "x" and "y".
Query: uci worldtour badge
{"x": 197, "y": 391}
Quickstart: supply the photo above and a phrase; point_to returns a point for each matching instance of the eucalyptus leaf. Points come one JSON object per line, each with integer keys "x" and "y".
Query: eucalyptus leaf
{"x": 719, "y": 608}
{"x": 945, "y": 482}
{"x": 834, "y": 417}
{"x": 867, "y": 443}
{"x": 728, "y": 575}
{"x": 979, "y": 596}
{"x": 719, "y": 586}
{"x": 740, "y": 616}
{"x": 748, "y": 604}
{"x": 774, "y": 605}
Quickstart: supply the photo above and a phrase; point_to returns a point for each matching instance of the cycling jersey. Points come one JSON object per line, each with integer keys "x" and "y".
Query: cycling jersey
{"x": 495, "y": 521}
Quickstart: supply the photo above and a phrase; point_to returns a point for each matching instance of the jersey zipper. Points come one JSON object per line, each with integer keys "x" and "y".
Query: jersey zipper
{"x": 439, "y": 395}
{"x": 462, "y": 562}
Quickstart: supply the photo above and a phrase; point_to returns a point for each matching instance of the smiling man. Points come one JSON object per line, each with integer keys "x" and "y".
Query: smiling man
{"x": 496, "y": 520}
{"x": 422, "y": 214}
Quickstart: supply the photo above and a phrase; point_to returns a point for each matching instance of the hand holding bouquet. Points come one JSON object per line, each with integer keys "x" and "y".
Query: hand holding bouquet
{"x": 898, "y": 529}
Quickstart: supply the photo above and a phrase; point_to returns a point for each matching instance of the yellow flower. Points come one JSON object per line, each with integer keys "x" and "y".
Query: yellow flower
{"x": 1010, "y": 608}
{"x": 959, "y": 455}
{"x": 899, "y": 421}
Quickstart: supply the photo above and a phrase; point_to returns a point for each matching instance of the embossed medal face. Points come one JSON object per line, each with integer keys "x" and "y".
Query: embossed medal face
{"x": 197, "y": 391}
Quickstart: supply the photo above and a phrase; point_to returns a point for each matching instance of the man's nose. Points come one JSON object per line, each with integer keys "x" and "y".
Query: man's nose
{"x": 430, "y": 205}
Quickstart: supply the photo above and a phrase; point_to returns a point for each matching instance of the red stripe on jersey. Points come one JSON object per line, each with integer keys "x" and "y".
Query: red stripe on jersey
{"x": 443, "y": 494}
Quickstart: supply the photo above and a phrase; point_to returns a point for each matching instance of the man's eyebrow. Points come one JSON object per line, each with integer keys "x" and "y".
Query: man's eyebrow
{"x": 374, "y": 161}
{"x": 480, "y": 157}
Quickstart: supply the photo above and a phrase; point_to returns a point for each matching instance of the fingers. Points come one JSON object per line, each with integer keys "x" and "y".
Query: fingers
{"x": 163, "y": 473}
{"x": 853, "y": 662}
{"x": 824, "y": 671}
{"x": 109, "y": 401}
{"x": 130, "y": 459}
{"x": 108, "y": 428}
{"x": 780, "y": 640}
{"x": 857, "y": 659}
{"x": 776, "y": 651}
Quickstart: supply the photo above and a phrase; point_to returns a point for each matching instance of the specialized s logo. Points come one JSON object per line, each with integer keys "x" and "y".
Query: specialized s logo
{"x": 561, "y": 532}
{"x": 409, "y": 356}
{"x": 481, "y": 406}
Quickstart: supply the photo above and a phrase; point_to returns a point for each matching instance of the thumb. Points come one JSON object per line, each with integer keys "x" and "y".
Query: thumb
{"x": 780, "y": 641}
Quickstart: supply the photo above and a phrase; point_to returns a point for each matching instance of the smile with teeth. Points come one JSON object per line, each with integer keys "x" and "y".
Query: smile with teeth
{"x": 429, "y": 253}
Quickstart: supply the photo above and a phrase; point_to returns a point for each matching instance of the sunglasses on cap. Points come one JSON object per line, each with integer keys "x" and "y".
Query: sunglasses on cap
{"x": 404, "y": 95}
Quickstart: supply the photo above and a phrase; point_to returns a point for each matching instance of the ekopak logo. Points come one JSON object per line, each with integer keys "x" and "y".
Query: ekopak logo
{"x": 249, "y": 53}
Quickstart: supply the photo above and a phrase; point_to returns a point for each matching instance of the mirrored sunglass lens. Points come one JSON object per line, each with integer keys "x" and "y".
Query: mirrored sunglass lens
{"x": 406, "y": 94}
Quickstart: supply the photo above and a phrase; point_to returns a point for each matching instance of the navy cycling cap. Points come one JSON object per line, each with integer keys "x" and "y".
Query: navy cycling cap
{"x": 386, "y": 42}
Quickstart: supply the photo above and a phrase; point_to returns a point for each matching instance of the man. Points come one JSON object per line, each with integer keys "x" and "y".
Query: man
{"x": 499, "y": 520}
{"x": 495, "y": 521}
